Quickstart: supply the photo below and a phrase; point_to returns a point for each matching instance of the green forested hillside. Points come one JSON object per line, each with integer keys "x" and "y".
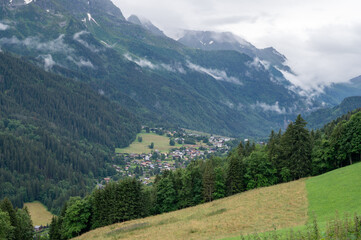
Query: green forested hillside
{"x": 56, "y": 134}
{"x": 320, "y": 117}
{"x": 162, "y": 81}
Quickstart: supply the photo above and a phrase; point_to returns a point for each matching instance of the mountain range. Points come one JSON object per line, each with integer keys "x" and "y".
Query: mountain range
{"x": 161, "y": 80}
{"x": 78, "y": 79}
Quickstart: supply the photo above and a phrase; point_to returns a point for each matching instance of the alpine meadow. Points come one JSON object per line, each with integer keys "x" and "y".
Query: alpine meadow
{"x": 136, "y": 119}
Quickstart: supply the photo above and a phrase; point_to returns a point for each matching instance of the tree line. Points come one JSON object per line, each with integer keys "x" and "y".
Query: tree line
{"x": 288, "y": 156}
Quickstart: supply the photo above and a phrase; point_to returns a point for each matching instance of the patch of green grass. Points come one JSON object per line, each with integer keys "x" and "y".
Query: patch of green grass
{"x": 339, "y": 190}
{"x": 161, "y": 143}
{"x": 335, "y": 193}
{"x": 39, "y": 214}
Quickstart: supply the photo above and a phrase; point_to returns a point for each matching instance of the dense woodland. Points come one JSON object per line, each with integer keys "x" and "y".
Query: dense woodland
{"x": 56, "y": 135}
{"x": 288, "y": 156}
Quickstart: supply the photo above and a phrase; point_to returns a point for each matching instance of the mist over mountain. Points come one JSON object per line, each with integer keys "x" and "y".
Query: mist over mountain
{"x": 146, "y": 24}
{"x": 207, "y": 40}
{"x": 217, "y": 83}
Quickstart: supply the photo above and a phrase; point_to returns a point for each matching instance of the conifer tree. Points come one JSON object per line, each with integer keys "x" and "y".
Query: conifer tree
{"x": 208, "y": 182}
{"x": 235, "y": 173}
{"x": 296, "y": 150}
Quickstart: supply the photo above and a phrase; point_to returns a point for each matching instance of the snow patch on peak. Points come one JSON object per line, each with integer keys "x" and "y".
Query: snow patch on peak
{"x": 25, "y": 1}
{"x": 90, "y": 18}
{"x": 211, "y": 42}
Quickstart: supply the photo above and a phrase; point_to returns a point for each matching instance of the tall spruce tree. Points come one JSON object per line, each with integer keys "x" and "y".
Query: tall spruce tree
{"x": 296, "y": 150}
{"x": 235, "y": 173}
{"x": 208, "y": 182}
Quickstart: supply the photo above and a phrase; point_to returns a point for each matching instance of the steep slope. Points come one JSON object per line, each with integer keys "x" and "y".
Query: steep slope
{"x": 335, "y": 93}
{"x": 54, "y": 129}
{"x": 211, "y": 41}
{"x": 161, "y": 80}
{"x": 281, "y": 206}
{"x": 320, "y": 117}
{"x": 146, "y": 24}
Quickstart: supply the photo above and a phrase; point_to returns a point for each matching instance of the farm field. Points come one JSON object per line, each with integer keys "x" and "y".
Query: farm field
{"x": 39, "y": 214}
{"x": 283, "y": 206}
{"x": 160, "y": 142}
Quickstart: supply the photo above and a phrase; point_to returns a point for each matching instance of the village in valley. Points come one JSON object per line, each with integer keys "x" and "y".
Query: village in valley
{"x": 170, "y": 150}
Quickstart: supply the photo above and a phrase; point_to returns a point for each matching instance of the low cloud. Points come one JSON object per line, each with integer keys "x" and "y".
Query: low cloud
{"x": 3, "y": 26}
{"x": 270, "y": 108}
{"x": 77, "y": 37}
{"x": 48, "y": 61}
{"x": 144, "y": 63}
{"x": 81, "y": 62}
{"x": 258, "y": 64}
{"x": 219, "y": 75}
{"x": 56, "y": 45}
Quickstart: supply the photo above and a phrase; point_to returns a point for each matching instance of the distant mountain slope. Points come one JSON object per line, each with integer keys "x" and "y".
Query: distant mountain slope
{"x": 207, "y": 40}
{"x": 320, "y": 117}
{"x": 161, "y": 80}
{"x": 146, "y": 24}
{"x": 56, "y": 135}
{"x": 335, "y": 93}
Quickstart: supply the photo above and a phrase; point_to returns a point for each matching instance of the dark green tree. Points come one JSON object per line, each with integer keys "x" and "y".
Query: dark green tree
{"x": 7, "y": 207}
{"x": 6, "y": 229}
{"x": 208, "y": 182}
{"x": 235, "y": 173}
{"x": 77, "y": 218}
{"x": 296, "y": 150}
{"x": 259, "y": 172}
{"x": 219, "y": 183}
{"x": 25, "y": 225}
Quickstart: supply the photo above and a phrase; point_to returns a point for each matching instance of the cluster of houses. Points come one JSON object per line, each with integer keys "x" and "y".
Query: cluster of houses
{"x": 146, "y": 165}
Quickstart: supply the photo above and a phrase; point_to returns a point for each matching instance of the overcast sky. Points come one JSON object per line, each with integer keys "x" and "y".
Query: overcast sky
{"x": 320, "y": 38}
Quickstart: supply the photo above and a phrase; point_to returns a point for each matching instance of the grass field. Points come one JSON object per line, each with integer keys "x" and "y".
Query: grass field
{"x": 39, "y": 214}
{"x": 160, "y": 142}
{"x": 280, "y": 206}
{"x": 283, "y": 206}
{"x": 337, "y": 190}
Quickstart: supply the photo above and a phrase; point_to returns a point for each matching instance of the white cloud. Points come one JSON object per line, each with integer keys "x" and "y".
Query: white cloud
{"x": 77, "y": 37}
{"x": 3, "y": 26}
{"x": 144, "y": 63}
{"x": 56, "y": 45}
{"x": 48, "y": 61}
{"x": 219, "y": 75}
{"x": 320, "y": 38}
{"x": 81, "y": 62}
{"x": 272, "y": 108}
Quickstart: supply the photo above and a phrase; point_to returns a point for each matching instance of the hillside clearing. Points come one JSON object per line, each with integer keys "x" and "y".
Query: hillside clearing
{"x": 280, "y": 206}
{"x": 39, "y": 214}
{"x": 160, "y": 142}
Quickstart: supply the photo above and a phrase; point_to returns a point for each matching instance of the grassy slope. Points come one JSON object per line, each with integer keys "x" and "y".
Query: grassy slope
{"x": 339, "y": 190}
{"x": 280, "y": 206}
{"x": 39, "y": 214}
